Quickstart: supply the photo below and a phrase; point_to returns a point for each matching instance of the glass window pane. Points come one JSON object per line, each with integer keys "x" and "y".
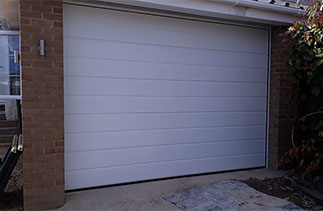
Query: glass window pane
{"x": 13, "y": 43}
{"x": 9, "y": 70}
{"x": 4, "y": 50}
{"x": 14, "y": 67}
{"x": 4, "y": 85}
{"x": 4, "y": 65}
{"x": 14, "y": 85}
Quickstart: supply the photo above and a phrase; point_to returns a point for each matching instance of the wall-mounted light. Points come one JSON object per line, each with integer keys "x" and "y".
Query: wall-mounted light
{"x": 42, "y": 47}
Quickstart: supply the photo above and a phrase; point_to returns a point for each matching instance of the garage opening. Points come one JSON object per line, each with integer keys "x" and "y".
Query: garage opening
{"x": 151, "y": 97}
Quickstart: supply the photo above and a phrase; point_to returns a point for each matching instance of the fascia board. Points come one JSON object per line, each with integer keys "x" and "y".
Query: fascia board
{"x": 214, "y": 9}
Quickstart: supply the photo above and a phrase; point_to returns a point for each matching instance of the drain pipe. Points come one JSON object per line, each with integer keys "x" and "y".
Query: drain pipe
{"x": 264, "y": 6}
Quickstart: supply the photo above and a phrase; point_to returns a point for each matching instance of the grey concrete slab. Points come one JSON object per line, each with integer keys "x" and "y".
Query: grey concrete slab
{"x": 228, "y": 195}
{"x": 149, "y": 195}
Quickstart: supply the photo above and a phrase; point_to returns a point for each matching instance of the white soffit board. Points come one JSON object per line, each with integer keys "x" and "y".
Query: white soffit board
{"x": 218, "y": 9}
{"x": 151, "y": 97}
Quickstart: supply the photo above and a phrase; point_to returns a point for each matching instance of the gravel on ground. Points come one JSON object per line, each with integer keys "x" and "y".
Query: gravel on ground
{"x": 282, "y": 187}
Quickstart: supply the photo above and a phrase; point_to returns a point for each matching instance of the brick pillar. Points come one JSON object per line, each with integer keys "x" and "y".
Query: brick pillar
{"x": 280, "y": 109}
{"x": 42, "y": 103}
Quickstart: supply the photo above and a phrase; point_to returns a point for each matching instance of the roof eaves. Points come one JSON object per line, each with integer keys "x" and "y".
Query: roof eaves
{"x": 266, "y": 5}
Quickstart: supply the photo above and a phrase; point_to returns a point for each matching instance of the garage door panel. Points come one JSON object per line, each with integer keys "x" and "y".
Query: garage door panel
{"x": 139, "y": 155}
{"x": 159, "y": 54}
{"x": 123, "y": 139}
{"x": 140, "y": 70}
{"x": 160, "y": 30}
{"x": 111, "y": 122}
{"x": 149, "y": 97}
{"x": 119, "y": 104}
{"x": 130, "y": 87}
{"x": 80, "y": 178}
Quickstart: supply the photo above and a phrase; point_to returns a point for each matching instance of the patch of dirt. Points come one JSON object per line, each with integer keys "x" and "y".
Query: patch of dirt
{"x": 283, "y": 188}
{"x": 13, "y": 196}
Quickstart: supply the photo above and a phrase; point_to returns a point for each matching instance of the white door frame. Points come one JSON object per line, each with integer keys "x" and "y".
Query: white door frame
{"x": 106, "y": 5}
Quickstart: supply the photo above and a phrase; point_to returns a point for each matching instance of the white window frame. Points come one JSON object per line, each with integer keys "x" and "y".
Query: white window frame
{"x": 12, "y": 97}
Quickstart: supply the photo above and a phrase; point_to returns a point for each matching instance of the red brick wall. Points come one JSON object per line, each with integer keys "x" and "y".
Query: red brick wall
{"x": 42, "y": 103}
{"x": 43, "y": 97}
{"x": 280, "y": 109}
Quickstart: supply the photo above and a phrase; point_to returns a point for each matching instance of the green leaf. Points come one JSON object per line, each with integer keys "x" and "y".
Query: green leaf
{"x": 318, "y": 62}
{"x": 309, "y": 77}
{"x": 307, "y": 58}
{"x": 298, "y": 64}
{"x": 316, "y": 91}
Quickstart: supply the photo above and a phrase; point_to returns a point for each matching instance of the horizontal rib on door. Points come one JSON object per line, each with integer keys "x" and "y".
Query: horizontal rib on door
{"x": 76, "y": 66}
{"x": 139, "y": 155}
{"x": 79, "y": 123}
{"x": 122, "y": 174}
{"x": 161, "y": 31}
{"x": 149, "y": 97}
{"x": 115, "y": 51}
{"x": 158, "y": 137}
{"x": 128, "y": 104}
{"x": 133, "y": 87}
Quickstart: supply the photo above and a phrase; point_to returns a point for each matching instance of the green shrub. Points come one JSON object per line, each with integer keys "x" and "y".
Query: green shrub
{"x": 305, "y": 48}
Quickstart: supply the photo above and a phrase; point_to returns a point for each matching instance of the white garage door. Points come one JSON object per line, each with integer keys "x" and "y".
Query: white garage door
{"x": 151, "y": 97}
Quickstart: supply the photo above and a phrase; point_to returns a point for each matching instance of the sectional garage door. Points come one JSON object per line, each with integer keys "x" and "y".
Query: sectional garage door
{"x": 152, "y": 97}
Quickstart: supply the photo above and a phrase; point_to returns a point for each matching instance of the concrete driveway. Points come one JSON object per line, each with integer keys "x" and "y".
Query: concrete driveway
{"x": 149, "y": 195}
